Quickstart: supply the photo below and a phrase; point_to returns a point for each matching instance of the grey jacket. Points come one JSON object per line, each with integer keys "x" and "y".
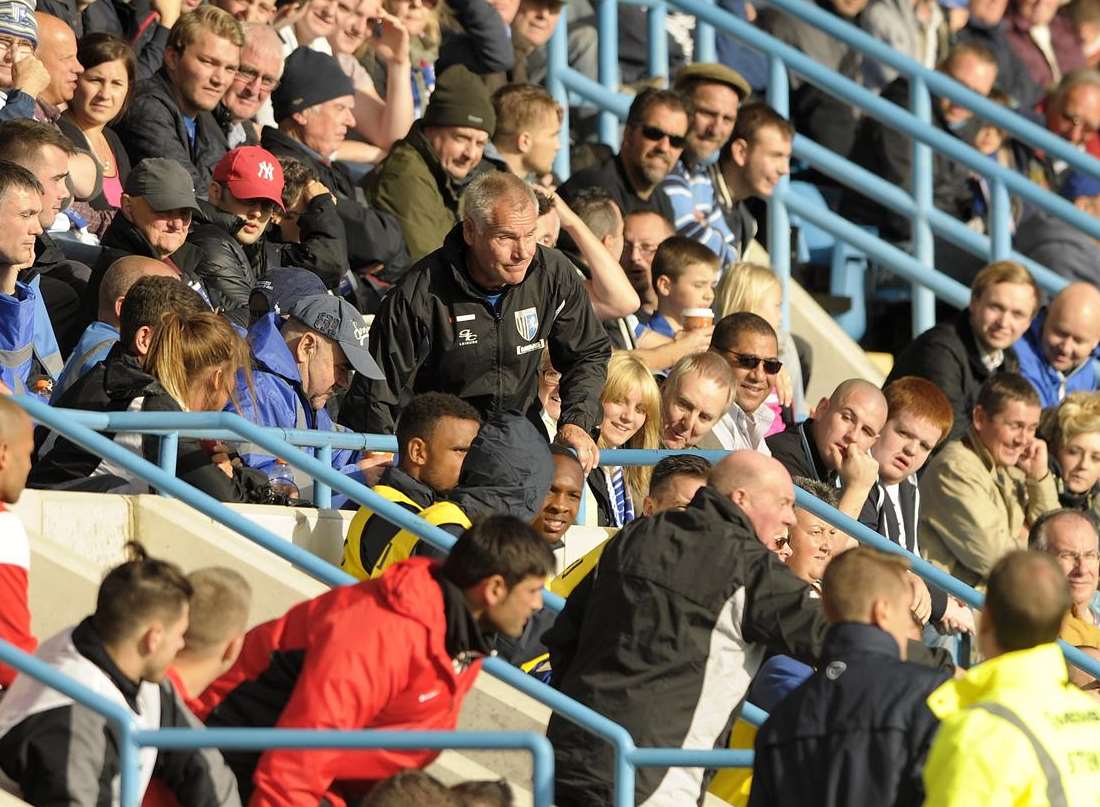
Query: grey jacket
{"x": 1059, "y": 246}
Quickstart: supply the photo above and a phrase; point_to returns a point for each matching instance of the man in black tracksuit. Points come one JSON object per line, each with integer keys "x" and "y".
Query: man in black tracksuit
{"x": 441, "y": 330}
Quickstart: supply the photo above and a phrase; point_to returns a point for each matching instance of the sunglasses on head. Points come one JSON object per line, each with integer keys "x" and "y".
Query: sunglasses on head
{"x": 747, "y": 361}
{"x": 655, "y": 134}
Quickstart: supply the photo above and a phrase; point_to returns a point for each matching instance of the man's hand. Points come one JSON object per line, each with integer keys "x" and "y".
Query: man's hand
{"x": 1033, "y": 460}
{"x": 389, "y": 39}
{"x": 315, "y": 188}
{"x": 169, "y": 11}
{"x": 922, "y": 600}
{"x": 30, "y": 76}
{"x": 857, "y": 469}
{"x": 957, "y": 618}
{"x": 784, "y": 387}
{"x": 577, "y": 438}
{"x": 373, "y": 464}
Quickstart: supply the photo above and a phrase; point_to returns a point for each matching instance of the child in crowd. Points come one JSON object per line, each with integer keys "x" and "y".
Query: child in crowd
{"x": 16, "y": 446}
{"x": 684, "y": 275}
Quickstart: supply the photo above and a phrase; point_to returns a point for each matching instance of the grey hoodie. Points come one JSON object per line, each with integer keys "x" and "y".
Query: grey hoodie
{"x": 1060, "y": 247}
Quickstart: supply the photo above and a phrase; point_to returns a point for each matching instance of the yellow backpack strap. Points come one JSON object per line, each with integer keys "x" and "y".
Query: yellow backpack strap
{"x": 403, "y": 545}
{"x": 576, "y": 571}
{"x": 356, "y": 548}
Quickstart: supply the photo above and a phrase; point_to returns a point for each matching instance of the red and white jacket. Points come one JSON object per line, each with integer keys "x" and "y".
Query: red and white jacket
{"x": 15, "y": 613}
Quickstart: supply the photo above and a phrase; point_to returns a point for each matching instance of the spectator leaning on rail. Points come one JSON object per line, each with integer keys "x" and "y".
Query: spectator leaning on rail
{"x": 1058, "y": 352}
{"x": 980, "y": 493}
{"x": 473, "y": 318}
{"x": 16, "y": 448}
{"x": 858, "y": 730}
{"x": 1070, "y": 537}
{"x": 959, "y": 356}
{"x": 1014, "y": 732}
{"x": 55, "y": 751}
{"x": 400, "y": 652}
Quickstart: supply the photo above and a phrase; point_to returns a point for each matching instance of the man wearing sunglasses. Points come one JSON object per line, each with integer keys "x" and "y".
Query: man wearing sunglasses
{"x": 655, "y": 134}
{"x": 751, "y": 347}
{"x": 245, "y": 191}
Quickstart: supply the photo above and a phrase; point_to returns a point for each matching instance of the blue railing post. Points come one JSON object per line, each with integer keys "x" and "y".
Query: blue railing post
{"x": 656, "y": 19}
{"x": 924, "y": 301}
{"x": 169, "y": 450}
{"x": 1000, "y": 221}
{"x": 128, "y": 764}
{"x": 322, "y": 493}
{"x": 557, "y": 60}
{"x": 779, "y": 220}
{"x": 705, "y": 48}
{"x": 607, "y": 17}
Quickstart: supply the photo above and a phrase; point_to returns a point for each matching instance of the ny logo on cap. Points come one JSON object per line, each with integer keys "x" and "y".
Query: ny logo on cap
{"x": 266, "y": 171}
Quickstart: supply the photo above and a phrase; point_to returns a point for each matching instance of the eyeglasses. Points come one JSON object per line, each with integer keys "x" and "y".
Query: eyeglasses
{"x": 1088, "y": 127}
{"x": 746, "y": 361}
{"x": 655, "y": 134}
{"x": 17, "y": 47}
{"x": 1074, "y": 557}
{"x": 248, "y": 75}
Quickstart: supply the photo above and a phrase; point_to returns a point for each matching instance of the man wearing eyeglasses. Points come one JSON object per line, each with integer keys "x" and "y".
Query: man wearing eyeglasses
{"x": 655, "y": 134}
{"x": 980, "y": 493}
{"x": 22, "y": 76}
{"x": 261, "y": 68}
{"x": 1071, "y": 537}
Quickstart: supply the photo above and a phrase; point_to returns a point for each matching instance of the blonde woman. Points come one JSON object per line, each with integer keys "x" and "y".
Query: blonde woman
{"x": 755, "y": 288}
{"x": 1072, "y": 432}
{"x": 631, "y": 419}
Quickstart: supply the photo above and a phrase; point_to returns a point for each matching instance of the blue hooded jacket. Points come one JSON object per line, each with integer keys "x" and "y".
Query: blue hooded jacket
{"x": 1051, "y": 385}
{"x": 279, "y": 401}
{"x": 94, "y": 345}
{"x": 26, "y": 334}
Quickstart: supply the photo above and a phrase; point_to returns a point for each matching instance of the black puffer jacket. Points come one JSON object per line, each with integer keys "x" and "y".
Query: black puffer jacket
{"x": 857, "y": 732}
{"x": 437, "y": 332}
{"x": 153, "y": 127}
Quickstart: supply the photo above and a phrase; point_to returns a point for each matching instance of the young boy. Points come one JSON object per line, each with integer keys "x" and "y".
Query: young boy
{"x": 16, "y": 447}
{"x": 684, "y": 275}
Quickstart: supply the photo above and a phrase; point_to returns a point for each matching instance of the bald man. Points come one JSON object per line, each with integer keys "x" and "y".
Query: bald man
{"x": 57, "y": 52}
{"x": 665, "y": 639}
{"x": 16, "y": 446}
{"x": 98, "y": 338}
{"x": 1056, "y": 354}
{"x": 834, "y": 446}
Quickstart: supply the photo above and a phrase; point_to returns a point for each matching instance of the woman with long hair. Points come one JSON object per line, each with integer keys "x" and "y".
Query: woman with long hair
{"x": 631, "y": 419}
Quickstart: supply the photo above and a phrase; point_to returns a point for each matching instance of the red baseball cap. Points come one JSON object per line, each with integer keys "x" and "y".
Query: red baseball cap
{"x": 251, "y": 172}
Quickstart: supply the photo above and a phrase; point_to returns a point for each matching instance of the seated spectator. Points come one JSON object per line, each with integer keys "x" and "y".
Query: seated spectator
{"x": 313, "y": 109}
{"x": 154, "y": 219}
{"x": 98, "y": 338}
{"x": 298, "y": 365}
{"x": 1071, "y": 537}
{"x": 507, "y": 470}
{"x": 1058, "y": 245}
{"x": 643, "y": 233}
{"x": 866, "y": 702}
{"x": 698, "y": 391}
{"x": 1011, "y": 728}
{"x": 411, "y": 787}
{"x": 1072, "y": 111}
{"x": 748, "y": 496}
{"x": 424, "y": 627}
{"x": 834, "y": 446}
{"x": 987, "y": 26}
{"x": 919, "y": 29}
{"x": 750, "y": 346}
{"x": 549, "y": 396}
{"x": 1056, "y": 352}
{"x": 53, "y": 749}
{"x": 280, "y": 290}
{"x": 631, "y": 419}
{"x": 101, "y": 97}
{"x": 1044, "y": 40}
{"x": 58, "y": 53}
{"x": 715, "y": 92}
{"x": 753, "y": 288}
{"x": 980, "y": 493}
{"x": 261, "y": 12}
{"x": 16, "y": 449}
{"x": 491, "y": 261}
{"x": 426, "y": 172}
{"x": 1085, "y": 16}
{"x": 888, "y": 152}
{"x": 528, "y": 130}
{"x": 655, "y": 132}
{"x": 311, "y": 28}
{"x": 533, "y": 25}
{"x": 814, "y": 113}
{"x": 812, "y": 542}
{"x": 261, "y": 67}
{"x": 563, "y": 500}
{"x": 170, "y": 113}
{"x": 22, "y": 76}
{"x": 20, "y": 207}
{"x": 961, "y": 355}
{"x": 433, "y": 438}
{"x": 1072, "y": 434}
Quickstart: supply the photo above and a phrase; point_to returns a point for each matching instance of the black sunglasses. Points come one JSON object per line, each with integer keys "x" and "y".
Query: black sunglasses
{"x": 747, "y": 361}
{"x": 655, "y": 134}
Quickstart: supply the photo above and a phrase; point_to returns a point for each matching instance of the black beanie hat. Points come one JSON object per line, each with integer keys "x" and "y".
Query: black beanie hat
{"x": 310, "y": 78}
{"x": 460, "y": 99}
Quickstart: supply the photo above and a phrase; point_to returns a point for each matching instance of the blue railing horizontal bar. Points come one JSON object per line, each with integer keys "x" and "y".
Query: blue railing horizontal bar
{"x": 691, "y": 758}
{"x": 612, "y": 101}
{"x": 253, "y": 739}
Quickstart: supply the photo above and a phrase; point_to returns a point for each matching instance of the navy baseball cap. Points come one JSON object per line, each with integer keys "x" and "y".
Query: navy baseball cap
{"x": 337, "y": 319}
{"x": 1078, "y": 184}
{"x": 283, "y": 286}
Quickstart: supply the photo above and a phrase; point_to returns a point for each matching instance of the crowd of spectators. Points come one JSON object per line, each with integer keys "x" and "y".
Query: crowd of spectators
{"x": 343, "y": 215}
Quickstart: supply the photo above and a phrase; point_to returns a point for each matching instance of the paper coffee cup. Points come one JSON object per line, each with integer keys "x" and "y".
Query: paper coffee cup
{"x": 697, "y": 318}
